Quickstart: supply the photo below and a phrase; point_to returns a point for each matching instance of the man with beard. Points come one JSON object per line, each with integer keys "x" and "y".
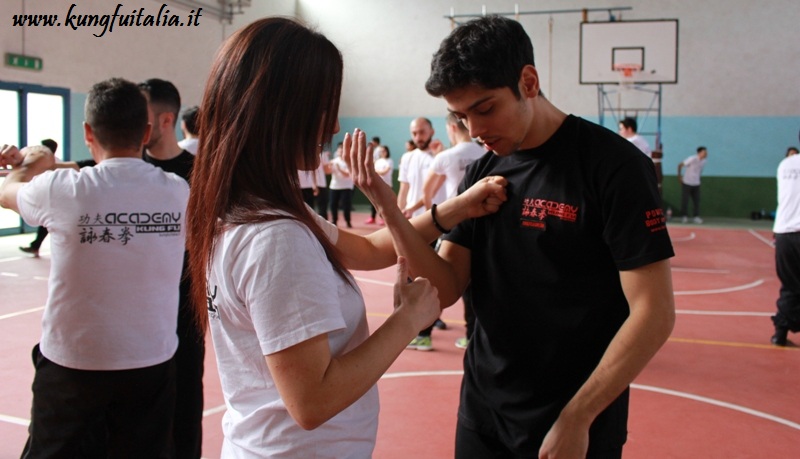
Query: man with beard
{"x": 162, "y": 150}
{"x": 414, "y": 167}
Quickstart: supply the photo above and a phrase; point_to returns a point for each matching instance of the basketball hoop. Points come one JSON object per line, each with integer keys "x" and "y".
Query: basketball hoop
{"x": 626, "y": 73}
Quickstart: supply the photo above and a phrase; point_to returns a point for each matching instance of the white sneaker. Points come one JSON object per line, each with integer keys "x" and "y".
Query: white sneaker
{"x": 685, "y": 219}
{"x": 698, "y": 220}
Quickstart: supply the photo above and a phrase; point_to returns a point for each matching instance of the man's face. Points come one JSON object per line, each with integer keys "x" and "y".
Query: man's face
{"x": 496, "y": 117}
{"x": 624, "y": 131}
{"x": 702, "y": 154}
{"x": 421, "y": 134}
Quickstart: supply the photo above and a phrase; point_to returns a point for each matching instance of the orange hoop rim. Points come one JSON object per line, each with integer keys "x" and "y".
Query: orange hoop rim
{"x": 627, "y": 69}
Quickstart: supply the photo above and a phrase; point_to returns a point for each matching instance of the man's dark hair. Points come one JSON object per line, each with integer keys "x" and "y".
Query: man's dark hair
{"x": 701, "y": 148}
{"x": 116, "y": 110}
{"x": 489, "y": 52}
{"x": 51, "y": 144}
{"x": 163, "y": 94}
{"x": 629, "y": 123}
{"x": 189, "y": 118}
{"x": 377, "y": 140}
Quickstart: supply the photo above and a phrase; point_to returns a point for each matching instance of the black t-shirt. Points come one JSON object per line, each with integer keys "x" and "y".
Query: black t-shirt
{"x": 86, "y": 163}
{"x": 180, "y": 165}
{"x": 545, "y": 279}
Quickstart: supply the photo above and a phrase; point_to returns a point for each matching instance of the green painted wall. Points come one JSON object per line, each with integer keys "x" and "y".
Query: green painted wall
{"x": 730, "y": 197}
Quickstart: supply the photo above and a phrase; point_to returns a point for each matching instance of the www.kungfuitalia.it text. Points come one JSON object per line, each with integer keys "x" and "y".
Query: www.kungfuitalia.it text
{"x": 141, "y": 17}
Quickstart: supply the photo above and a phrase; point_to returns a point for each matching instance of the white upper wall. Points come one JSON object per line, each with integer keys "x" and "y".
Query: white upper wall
{"x": 736, "y": 57}
{"x": 76, "y": 59}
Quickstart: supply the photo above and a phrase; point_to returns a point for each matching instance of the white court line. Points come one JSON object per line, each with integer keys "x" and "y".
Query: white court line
{"x": 215, "y": 410}
{"x": 14, "y": 420}
{"x": 373, "y": 281}
{"x": 721, "y": 290}
{"x": 724, "y": 313}
{"x": 674, "y": 393}
{"x": 9, "y": 274}
{"x": 762, "y": 238}
{"x": 20, "y": 313}
{"x": 11, "y": 259}
{"x": 682, "y": 239}
{"x": 711, "y": 401}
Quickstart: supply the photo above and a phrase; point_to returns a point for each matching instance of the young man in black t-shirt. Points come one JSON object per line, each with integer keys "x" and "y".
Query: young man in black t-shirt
{"x": 162, "y": 150}
{"x": 570, "y": 278}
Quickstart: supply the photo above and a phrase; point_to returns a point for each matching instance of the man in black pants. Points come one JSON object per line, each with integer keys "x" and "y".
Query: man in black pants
{"x": 570, "y": 278}
{"x": 164, "y": 103}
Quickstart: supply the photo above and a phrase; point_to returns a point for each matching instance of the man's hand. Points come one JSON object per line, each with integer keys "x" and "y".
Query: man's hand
{"x": 10, "y": 156}
{"x": 484, "y": 197}
{"x": 565, "y": 440}
{"x": 436, "y": 146}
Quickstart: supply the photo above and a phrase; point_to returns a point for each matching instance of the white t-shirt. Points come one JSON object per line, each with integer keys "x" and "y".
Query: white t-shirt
{"x": 189, "y": 145}
{"x": 414, "y": 167}
{"x": 787, "y": 216}
{"x": 340, "y": 181}
{"x": 271, "y": 287}
{"x": 453, "y": 162}
{"x": 384, "y": 163}
{"x": 641, "y": 144}
{"x": 306, "y": 178}
{"x": 117, "y": 233}
{"x": 324, "y": 160}
{"x": 692, "y": 168}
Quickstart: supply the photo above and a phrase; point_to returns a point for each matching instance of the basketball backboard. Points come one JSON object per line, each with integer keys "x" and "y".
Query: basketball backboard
{"x": 651, "y": 44}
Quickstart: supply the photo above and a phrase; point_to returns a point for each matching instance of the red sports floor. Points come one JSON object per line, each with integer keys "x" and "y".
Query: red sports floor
{"x": 717, "y": 389}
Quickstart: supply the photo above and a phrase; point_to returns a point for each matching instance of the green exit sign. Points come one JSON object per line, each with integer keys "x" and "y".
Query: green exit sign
{"x": 23, "y": 62}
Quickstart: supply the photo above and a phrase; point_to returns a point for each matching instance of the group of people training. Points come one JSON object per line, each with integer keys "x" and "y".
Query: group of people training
{"x": 549, "y": 230}
{"x": 119, "y": 367}
{"x": 689, "y": 170}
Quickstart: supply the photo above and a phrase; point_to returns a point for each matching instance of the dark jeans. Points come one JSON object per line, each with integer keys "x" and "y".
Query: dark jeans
{"x": 322, "y": 203}
{"x": 689, "y": 191}
{"x": 41, "y": 233}
{"x": 474, "y": 445}
{"x": 345, "y": 198}
{"x": 787, "y": 264}
{"x": 136, "y": 407}
{"x": 189, "y": 360}
{"x": 308, "y": 196}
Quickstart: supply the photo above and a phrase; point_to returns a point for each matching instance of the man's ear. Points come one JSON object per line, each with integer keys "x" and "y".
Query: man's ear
{"x": 147, "y": 131}
{"x": 88, "y": 135}
{"x": 529, "y": 81}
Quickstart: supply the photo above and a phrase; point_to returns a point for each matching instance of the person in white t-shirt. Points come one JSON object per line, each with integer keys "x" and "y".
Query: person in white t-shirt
{"x": 787, "y": 248}
{"x": 690, "y": 183}
{"x": 341, "y": 189}
{"x": 628, "y": 128}
{"x": 414, "y": 167}
{"x": 322, "y": 197}
{"x": 384, "y": 166}
{"x": 446, "y": 172}
{"x": 117, "y": 241}
{"x": 297, "y": 362}
{"x": 189, "y": 129}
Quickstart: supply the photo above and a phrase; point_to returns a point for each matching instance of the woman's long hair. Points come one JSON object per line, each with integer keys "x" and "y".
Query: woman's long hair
{"x": 271, "y": 98}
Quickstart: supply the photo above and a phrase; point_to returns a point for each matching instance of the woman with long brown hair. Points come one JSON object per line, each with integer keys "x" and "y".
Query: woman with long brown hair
{"x": 297, "y": 363}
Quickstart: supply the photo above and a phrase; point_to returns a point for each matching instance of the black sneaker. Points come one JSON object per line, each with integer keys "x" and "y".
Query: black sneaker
{"x": 30, "y": 250}
{"x": 440, "y": 324}
{"x": 779, "y": 338}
